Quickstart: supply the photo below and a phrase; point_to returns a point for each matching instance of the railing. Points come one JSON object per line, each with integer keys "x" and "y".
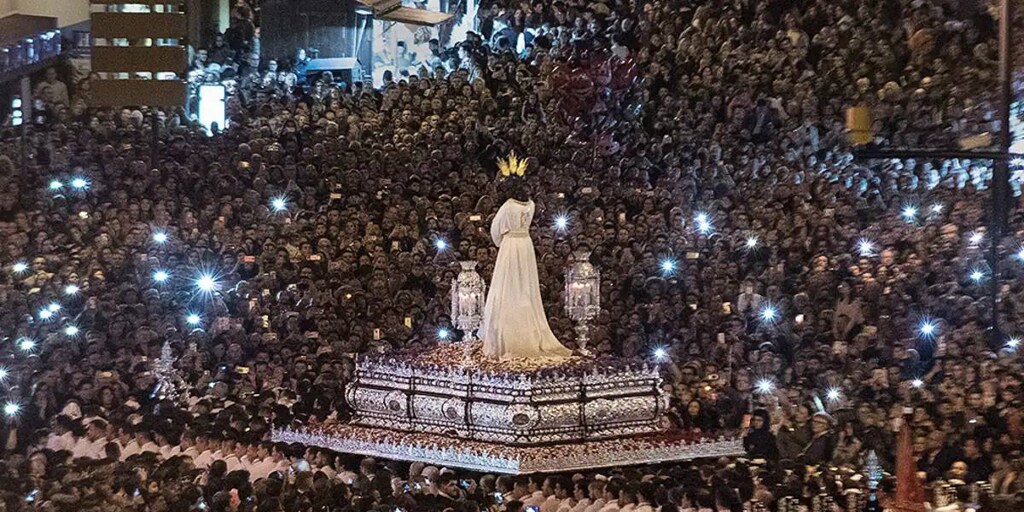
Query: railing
{"x": 30, "y": 50}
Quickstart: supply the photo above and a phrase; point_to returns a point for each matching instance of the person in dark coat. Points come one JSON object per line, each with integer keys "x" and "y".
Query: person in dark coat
{"x": 937, "y": 457}
{"x": 823, "y": 443}
{"x": 697, "y": 418}
{"x": 760, "y": 442}
{"x": 795, "y": 434}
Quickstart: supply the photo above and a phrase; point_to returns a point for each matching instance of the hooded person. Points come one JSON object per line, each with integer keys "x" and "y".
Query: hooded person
{"x": 760, "y": 442}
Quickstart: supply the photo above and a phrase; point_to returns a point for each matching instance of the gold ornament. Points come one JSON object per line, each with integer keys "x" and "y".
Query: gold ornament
{"x": 512, "y": 166}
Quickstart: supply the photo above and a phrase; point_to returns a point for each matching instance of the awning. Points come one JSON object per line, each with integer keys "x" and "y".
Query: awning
{"x": 393, "y": 10}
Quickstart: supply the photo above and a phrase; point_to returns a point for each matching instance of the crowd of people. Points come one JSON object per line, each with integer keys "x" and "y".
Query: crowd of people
{"x": 795, "y": 295}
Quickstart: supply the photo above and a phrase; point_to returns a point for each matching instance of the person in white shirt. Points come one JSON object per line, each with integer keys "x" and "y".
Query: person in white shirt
{"x": 580, "y": 497}
{"x": 219, "y": 447}
{"x": 611, "y": 497}
{"x": 644, "y": 497}
{"x": 52, "y": 91}
{"x": 263, "y": 462}
{"x": 749, "y": 301}
{"x": 249, "y": 459}
{"x": 91, "y": 446}
{"x": 505, "y": 484}
{"x": 281, "y": 460}
{"x": 596, "y": 496}
{"x": 680, "y": 499}
{"x": 62, "y": 437}
{"x": 188, "y": 446}
{"x": 536, "y": 497}
{"x": 206, "y": 448}
{"x": 167, "y": 449}
{"x": 145, "y": 442}
{"x": 233, "y": 458}
{"x": 627, "y": 498}
{"x": 324, "y": 461}
{"x": 556, "y": 491}
{"x": 520, "y": 490}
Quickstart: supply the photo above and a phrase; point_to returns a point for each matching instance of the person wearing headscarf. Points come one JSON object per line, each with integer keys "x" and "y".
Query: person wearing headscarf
{"x": 760, "y": 442}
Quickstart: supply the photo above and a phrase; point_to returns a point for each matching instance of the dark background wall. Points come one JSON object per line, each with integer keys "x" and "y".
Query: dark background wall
{"x": 327, "y": 25}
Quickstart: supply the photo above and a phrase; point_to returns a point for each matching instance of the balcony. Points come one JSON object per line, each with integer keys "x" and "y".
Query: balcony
{"x": 27, "y": 43}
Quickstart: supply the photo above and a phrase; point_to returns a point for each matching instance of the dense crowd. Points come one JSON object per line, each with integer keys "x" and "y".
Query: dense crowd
{"x": 794, "y": 295}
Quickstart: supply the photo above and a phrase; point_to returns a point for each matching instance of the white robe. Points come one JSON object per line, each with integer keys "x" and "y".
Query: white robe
{"x": 65, "y": 441}
{"x": 514, "y": 325}
{"x": 86, "y": 449}
{"x": 596, "y": 506}
{"x": 534, "y": 500}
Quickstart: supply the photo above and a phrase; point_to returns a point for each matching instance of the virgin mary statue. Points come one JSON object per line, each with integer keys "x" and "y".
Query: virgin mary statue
{"x": 514, "y": 323}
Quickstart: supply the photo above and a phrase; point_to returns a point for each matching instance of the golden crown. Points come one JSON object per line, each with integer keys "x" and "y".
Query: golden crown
{"x": 512, "y": 166}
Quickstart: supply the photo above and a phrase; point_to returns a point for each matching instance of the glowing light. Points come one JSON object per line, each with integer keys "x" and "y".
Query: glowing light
{"x": 977, "y": 275}
{"x": 917, "y": 383}
{"x": 1020, "y": 254}
{"x": 703, "y": 222}
{"x": 927, "y": 328}
{"x": 71, "y": 289}
{"x": 1013, "y": 342}
{"x": 71, "y": 330}
{"x": 160, "y": 237}
{"x": 751, "y": 242}
{"x": 660, "y": 353}
{"x": 909, "y": 213}
{"x": 765, "y": 385}
{"x": 11, "y": 409}
{"x": 976, "y": 237}
{"x": 443, "y": 333}
{"x": 80, "y": 183}
{"x": 561, "y": 222}
{"x": 161, "y": 276}
{"x": 769, "y": 313}
{"x": 45, "y": 314}
{"x": 193, "y": 319}
{"x": 3, "y": 374}
{"x": 26, "y": 345}
{"x": 56, "y": 185}
{"x": 936, "y": 208}
{"x": 668, "y": 265}
{"x": 865, "y": 247}
{"x": 441, "y": 244}
{"x": 279, "y": 204}
{"x": 19, "y": 267}
{"x": 53, "y": 307}
{"x": 833, "y": 394}
{"x": 206, "y": 283}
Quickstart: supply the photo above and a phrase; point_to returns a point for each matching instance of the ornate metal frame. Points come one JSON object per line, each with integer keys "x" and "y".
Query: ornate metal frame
{"x": 489, "y": 457}
{"x": 595, "y": 400}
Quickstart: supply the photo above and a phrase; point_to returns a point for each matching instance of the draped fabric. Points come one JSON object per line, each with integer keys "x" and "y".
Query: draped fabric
{"x": 515, "y": 326}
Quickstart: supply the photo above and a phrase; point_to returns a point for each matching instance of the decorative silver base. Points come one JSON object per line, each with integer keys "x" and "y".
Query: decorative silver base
{"x": 443, "y": 450}
{"x": 569, "y": 401}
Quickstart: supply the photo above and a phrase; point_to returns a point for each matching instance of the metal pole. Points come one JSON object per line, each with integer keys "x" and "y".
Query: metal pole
{"x": 1001, "y": 167}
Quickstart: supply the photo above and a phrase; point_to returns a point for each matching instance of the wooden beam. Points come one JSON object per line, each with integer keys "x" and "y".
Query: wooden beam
{"x": 116, "y": 59}
{"x": 137, "y": 93}
{"x": 139, "y": 25}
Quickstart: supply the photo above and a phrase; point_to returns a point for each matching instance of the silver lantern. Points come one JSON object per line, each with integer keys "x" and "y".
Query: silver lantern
{"x": 468, "y": 295}
{"x": 582, "y": 296}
